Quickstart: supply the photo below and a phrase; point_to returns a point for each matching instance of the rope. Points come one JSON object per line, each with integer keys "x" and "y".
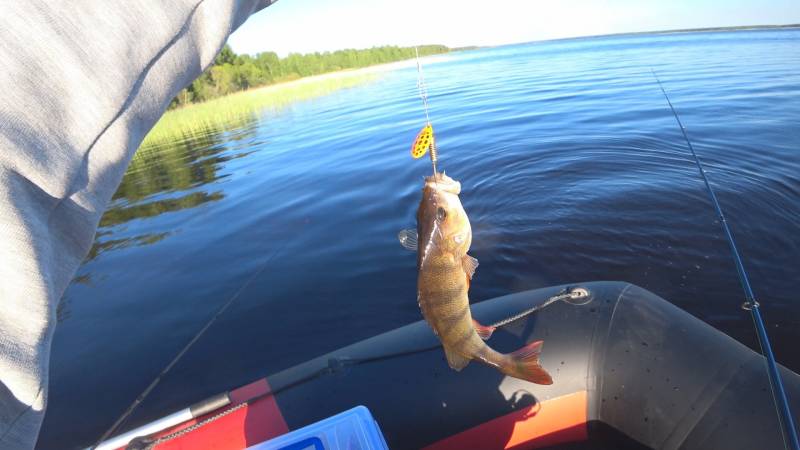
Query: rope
{"x": 750, "y": 304}
{"x": 146, "y": 443}
{"x": 532, "y": 310}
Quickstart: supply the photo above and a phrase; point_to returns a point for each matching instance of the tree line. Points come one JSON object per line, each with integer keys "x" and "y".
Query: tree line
{"x": 231, "y": 72}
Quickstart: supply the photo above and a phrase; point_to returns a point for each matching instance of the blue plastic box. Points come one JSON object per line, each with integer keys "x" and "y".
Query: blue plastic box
{"x": 354, "y": 429}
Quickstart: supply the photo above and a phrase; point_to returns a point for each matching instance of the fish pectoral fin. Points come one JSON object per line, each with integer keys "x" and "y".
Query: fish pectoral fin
{"x": 455, "y": 360}
{"x": 470, "y": 264}
{"x": 408, "y": 239}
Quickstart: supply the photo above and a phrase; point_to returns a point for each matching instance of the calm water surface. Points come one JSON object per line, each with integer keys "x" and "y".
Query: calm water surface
{"x": 572, "y": 167}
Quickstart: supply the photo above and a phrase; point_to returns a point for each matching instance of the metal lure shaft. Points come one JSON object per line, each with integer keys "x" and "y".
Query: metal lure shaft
{"x": 776, "y": 384}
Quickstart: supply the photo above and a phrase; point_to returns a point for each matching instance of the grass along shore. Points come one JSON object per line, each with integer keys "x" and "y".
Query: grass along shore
{"x": 243, "y": 106}
{"x": 240, "y": 107}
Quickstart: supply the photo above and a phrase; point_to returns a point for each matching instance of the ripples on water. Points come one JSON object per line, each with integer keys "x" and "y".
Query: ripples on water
{"x": 572, "y": 167}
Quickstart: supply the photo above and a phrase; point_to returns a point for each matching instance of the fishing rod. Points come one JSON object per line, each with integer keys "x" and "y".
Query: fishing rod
{"x": 750, "y": 304}
{"x": 138, "y": 400}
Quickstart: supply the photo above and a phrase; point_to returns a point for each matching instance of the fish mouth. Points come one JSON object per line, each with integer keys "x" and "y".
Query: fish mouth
{"x": 441, "y": 182}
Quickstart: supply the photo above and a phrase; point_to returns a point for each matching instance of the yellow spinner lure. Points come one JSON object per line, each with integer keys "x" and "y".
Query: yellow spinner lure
{"x": 423, "y": 142}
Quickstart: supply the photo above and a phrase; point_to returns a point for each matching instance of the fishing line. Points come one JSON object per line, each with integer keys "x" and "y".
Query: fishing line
{"x": 423, "y": 94}
{"x": 423, "y": 90}
{"x": 125, "y": 415}
{"x": 750, "y": 304}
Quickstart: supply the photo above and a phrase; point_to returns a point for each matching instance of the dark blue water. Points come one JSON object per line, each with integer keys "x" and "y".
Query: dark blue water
{"x": 572, "y": 168}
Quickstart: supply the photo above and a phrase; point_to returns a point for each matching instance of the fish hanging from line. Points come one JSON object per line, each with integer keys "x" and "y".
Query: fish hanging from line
{"x": 441, "y": 240}
{"x": 445, "y": 270}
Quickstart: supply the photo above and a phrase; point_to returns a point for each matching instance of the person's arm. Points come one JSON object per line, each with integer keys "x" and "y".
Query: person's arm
{"x": 81, "y": 83}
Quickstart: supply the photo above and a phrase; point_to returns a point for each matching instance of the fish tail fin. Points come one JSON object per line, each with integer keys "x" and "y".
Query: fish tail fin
{"x": 524, "y": 364}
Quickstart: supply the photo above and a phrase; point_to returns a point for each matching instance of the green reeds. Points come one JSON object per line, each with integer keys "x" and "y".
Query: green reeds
{"x": 241, "y": 107}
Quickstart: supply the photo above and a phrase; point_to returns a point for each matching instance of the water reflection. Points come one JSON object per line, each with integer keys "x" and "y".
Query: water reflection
{"x": 101, "y": 246}
{"x": 185, "y": 152}
{"x": 63, "y": 312}
{"x": 116, "y": 216}
{"x": 176, "y": 166}
{"x": 161, "y": 179}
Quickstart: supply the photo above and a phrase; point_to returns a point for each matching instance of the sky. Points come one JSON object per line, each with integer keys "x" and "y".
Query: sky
{"x": 305, "y": 26}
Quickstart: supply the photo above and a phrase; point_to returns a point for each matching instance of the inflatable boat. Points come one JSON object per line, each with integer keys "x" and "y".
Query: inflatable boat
{"x": 630, "y": 370}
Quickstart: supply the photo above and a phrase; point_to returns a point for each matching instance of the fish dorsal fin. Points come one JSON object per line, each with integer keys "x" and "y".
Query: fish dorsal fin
{"x": 455, "y": 360}
{"x": 470, "y": 264}
{"x": 408, "y": 239}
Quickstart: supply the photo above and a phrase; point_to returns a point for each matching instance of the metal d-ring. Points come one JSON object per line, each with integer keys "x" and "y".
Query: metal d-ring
{"x": 749, "y": 305}
{"x": 578, "y": 296}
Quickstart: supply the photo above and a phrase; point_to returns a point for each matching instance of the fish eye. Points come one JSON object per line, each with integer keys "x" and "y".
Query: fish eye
{"x": 441, "y": 214}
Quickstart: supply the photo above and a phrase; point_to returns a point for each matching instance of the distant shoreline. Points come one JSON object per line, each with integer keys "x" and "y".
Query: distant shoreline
{"x": 382, "y": 67}
{"x": 634, "y": 33}
{"x": 698, "y": 30}
{"x": 341, "y": 73}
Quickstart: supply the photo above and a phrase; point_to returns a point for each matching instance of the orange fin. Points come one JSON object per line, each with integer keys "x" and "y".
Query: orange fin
{"x": 526, "y": 364}
{"x": 485, "y": 332}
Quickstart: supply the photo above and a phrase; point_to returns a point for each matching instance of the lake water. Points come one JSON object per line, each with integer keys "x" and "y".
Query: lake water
{"x": 572, "y": 167}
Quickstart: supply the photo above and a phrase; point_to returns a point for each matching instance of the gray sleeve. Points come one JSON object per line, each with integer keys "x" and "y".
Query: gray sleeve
{"x": 81, "y": 83}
